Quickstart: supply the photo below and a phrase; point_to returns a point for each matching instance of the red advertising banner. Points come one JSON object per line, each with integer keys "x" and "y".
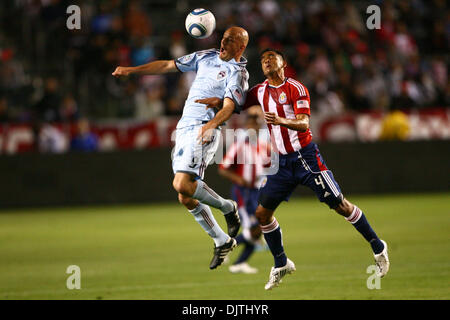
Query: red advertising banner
{"x": 125, "y": 135}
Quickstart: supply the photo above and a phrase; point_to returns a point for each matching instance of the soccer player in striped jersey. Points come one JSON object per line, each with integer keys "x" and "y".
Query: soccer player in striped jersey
{"x": 244, "y": 165}
{"x": 286, "y": 106}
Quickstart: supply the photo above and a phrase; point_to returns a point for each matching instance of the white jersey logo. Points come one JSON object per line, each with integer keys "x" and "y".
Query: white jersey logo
{"x": 221, "y": 75}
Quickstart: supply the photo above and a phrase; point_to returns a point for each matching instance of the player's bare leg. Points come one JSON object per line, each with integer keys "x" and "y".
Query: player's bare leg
{"x": 273, "y": 236}
{"x": 188, "y": 202}
{"x": 185, "y": 184}
{"x": 255, "y": 233}
{"x": 203, "y": 215}
{"x": 357, "y": 218}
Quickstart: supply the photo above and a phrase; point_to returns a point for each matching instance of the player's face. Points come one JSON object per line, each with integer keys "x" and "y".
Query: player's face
{"x": 271, "y": 62}
{"x": 229, "y": 46}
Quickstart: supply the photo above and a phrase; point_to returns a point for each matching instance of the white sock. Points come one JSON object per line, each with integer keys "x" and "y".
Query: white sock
{"x": 248, "y": 235}
{"x": 206, "y": 195}
{"x": 203, "y": 215}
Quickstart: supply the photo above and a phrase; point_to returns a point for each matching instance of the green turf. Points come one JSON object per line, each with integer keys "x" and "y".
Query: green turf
{"x": 160, "y": 252}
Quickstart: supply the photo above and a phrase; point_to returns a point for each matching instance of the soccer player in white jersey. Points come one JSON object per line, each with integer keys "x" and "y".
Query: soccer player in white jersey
{"x": 220, "y": 73}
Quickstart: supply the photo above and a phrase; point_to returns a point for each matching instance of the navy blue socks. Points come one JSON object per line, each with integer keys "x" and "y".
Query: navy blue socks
{"x": 359, "y": 221}
{"x": 273, "y": 236}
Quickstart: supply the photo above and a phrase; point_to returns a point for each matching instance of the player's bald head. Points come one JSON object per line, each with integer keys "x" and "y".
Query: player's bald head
{"x": 239, "y": 33}
{"x": 233, "y": 43}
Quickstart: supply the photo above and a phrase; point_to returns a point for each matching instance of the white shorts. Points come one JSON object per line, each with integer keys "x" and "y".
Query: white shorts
{"x": 189, "y": 155}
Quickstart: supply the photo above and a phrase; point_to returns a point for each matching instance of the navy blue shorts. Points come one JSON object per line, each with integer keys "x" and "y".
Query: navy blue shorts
{"x": 306, "y": 168}
{"x": 247, "y": 200}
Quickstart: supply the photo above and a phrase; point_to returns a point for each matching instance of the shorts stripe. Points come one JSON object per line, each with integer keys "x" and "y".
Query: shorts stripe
{"x": 330, "y": 183}
{"x": 333, "y": 184}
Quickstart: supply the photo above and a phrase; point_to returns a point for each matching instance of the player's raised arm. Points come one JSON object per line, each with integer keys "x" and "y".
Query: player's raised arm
{"x": 154, "y": 67}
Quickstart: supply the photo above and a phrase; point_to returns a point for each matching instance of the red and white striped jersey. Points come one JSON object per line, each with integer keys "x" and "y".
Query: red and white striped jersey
{"x": 287, "y": 100}
{"x": 247, "y": 160}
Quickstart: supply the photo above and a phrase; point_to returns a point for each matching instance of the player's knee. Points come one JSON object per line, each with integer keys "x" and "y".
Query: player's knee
{"x": 183, "y": 199}
{"x": 345, "y": 208}
{"x": 182, "y": 186}
{"x": 188, "y": 202}
{"x": 263, "y": 215}
{"x": 177, "y": 185}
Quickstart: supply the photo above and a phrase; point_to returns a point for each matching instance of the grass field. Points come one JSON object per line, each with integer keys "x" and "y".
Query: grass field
{"x": 160, "y": 252}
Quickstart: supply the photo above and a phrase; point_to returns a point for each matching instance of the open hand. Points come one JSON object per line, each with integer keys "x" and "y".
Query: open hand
{"x": 206, "y": 133}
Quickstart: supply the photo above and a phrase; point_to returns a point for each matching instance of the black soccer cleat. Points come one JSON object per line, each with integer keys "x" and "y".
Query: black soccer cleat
{"x": 221, "y": 252}
{"x": 233, "y": 221}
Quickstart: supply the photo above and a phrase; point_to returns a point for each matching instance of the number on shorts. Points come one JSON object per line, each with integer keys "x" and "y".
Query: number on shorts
{"x": 319, "y": 181}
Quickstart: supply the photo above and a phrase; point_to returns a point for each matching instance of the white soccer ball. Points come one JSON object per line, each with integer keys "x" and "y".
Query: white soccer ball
{"x": 200, "y": 23}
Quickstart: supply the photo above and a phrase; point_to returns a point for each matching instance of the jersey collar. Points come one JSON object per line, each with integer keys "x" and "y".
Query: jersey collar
{"x": 285, "y": 79}
{"x": 243, "y": 61}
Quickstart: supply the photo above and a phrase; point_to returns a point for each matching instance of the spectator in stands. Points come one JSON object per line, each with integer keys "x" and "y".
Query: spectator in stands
{"x": 4, "y": 112}
{"x": 84, "y": 139}
{"x": 326, "y": 42}
{"x": 395, "y": 126}
{"x": 51, "y": 139}
{"x": 47, "y": 108}
{"x": 149, "y": 104}
{"x": 69, "y": 109}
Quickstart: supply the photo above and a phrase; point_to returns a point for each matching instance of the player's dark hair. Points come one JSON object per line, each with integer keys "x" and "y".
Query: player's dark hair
{"x": 274, "y": 50}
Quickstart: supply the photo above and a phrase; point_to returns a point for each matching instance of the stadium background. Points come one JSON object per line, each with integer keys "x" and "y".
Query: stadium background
{"x": 72, "y": 135}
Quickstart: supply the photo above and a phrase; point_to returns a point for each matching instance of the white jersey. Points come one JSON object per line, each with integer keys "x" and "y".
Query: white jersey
{"x": 215, "y": 78}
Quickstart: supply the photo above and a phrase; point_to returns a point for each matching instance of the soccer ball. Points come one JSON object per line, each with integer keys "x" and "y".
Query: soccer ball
{"x": 200, "y": 23}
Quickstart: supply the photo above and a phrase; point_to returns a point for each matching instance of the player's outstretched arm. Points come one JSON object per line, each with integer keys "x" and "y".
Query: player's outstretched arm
{"x": 154, "y": 67}
{"x": 301, "y": 123}
{"x": 206, "y": 132}
{"x": 217, "y": 103}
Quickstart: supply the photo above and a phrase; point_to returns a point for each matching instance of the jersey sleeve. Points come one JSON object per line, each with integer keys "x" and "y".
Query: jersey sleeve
{"x": 300, "y": 99}
{"x": 251, "y": 98}
{"x": 188, "y": 62}
{"x": 236, "y": 88}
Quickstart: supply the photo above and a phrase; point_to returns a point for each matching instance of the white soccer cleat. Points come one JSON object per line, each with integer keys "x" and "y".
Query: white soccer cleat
{"x": 277, "y": 273}
{"x": 382, "y": 261}
{"x": 243, "y": 267}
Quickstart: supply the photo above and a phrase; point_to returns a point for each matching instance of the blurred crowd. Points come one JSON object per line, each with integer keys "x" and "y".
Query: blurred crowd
{"x": 49, "y": 73}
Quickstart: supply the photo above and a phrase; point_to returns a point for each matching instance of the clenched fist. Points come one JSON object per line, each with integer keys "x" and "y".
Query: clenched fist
{"x": 121, "y": 71}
